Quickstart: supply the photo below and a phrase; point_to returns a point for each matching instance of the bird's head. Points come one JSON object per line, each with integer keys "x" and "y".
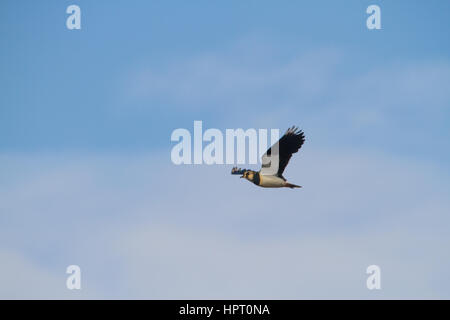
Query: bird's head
{"x": 249, "y": 175}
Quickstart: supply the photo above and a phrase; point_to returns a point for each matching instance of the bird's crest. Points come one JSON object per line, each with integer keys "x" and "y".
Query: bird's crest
{"x": 237, "y": 170}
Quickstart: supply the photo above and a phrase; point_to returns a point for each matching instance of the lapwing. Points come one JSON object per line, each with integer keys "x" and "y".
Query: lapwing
{"x": 271, "y": 173}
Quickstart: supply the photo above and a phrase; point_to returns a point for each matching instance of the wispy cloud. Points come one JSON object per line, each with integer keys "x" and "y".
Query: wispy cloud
{"x": 246, "y": 77}
{"x": 141, "y": 227}
{"x": 259, "y": 79}
{"x": 394, "y": 106}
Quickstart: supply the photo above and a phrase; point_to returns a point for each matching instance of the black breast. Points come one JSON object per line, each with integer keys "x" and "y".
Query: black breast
{"x": 256, "y": 178}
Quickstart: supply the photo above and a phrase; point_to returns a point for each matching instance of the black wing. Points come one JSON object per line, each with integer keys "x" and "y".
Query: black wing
{"x": 288, "y": 144}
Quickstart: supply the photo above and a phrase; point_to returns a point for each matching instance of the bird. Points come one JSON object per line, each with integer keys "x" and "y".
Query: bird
{"x": 272, "y": 177}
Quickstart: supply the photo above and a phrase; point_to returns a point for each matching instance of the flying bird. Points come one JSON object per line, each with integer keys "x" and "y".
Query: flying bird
{"x": 271, "y": 175}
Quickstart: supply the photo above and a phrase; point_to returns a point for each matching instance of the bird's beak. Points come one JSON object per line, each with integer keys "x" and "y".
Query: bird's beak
{"x": 241, "y": 177}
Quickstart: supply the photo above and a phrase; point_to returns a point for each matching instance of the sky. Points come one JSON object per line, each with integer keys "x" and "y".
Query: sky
{"x": 86, "y": 176}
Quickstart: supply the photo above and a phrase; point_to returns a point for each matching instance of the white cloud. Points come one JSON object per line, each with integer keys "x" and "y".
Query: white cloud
{"x": 194, "y": 263}
{"x": 398, "y": 106}
{"x": 142, "y": 227}
{"x": 250, "y": 80}
{"x": 260, "y": 77}
{"x": 22, "y": 278}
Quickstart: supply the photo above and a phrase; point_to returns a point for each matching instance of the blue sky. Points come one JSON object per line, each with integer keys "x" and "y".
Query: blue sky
{"x": 86, "y": 178}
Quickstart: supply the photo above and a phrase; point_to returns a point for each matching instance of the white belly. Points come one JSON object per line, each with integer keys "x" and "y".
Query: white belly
{"x": 271, "y": 182}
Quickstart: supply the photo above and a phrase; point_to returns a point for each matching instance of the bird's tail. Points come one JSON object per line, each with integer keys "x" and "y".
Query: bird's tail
{"x": 292, "y": 186}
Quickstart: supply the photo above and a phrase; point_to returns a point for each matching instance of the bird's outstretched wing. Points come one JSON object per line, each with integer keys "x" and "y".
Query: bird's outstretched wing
{"x": 288, "y": 144}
